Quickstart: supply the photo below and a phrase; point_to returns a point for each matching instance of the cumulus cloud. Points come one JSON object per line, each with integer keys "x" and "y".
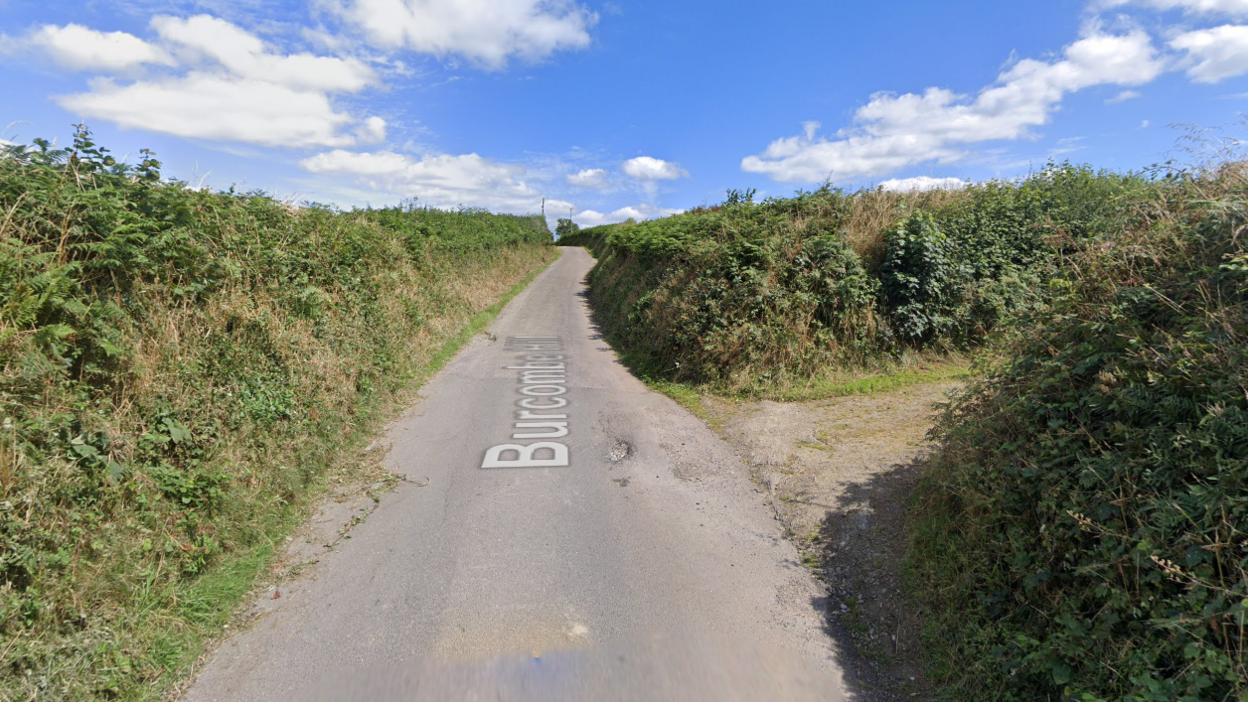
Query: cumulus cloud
{"x": 225, "y": 84}
{"x": 219, "y": 108}
{"x": 1214, "y": 54}
{"x": 204, "y": 39}
{"x": 558, "y": 208}
{"x": 894, "y": 131}
{"x": 593, "y": 218}
{"x": 922, "y": 184}
{"x": 80, "y": 48}
{"x": 589, "y": 179}
{"x": 486, "y": 32}
{"x": 1204, "y": 7}
{"x": 371, "y": 131}
{"x": 647, "y": 168}
{"x": 1123, "y": 97}
{"x": 440, "y": 180}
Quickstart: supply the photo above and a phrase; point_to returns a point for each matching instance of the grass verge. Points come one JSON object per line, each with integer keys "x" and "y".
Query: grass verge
{"x": 475, "y": 326}
{"x": 843, "y": 384}
{"x": 840, "y": 383}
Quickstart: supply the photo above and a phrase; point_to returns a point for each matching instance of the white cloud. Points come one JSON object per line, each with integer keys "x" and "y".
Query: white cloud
{"x": 441, "y": 181}
{"x": 203, "y": 39}
{"x": 1214, "y": 54}
{"x": 558, "y": 208}
{"x": 647, "y": 168}
{"x": 486, "y": 32}
{"x": 215, "y": 107}
{"x": 372, "y": 131}
{"x": 1123, "y": 97}
{"x": 813, "y": 160}
{"x": 227, "y": 85}
{"x": 83, "y": 49}
{"x": 894, "y": 131}
{"x": 1205, "y": 7}
{"x": 593, "y": 218}
{"x": 589, "y": 179}
{"x": 922, "y": 184}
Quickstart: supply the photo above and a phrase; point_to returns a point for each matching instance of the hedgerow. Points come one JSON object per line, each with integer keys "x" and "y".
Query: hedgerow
{"x": 745, "y": 292}
{"x": 1081, "y": 534}
{"x": 179, "y": 370}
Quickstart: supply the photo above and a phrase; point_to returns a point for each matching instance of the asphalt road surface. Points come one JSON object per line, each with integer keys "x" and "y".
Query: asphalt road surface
{"x": 616, "y": 551}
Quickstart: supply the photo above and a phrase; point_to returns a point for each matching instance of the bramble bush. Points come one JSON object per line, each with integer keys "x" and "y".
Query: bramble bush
{"x": 921, "y": 280}
{"x": 1081, "y": 534}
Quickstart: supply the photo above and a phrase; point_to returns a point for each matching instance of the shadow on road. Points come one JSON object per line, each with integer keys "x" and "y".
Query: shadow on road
{"x": 861, "y": 547}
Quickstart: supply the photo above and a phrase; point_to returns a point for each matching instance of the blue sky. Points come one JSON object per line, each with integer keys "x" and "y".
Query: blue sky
{"x": 618, "y": 109}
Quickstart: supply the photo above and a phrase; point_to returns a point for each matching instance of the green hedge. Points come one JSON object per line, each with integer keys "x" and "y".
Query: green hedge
{"x": 179, "y": 369}
{"x": 745, "y": 292}
{"x": 1083, "y": 533}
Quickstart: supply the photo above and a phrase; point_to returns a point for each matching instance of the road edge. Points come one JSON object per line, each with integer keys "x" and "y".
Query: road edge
{"x": 363, "y": 495}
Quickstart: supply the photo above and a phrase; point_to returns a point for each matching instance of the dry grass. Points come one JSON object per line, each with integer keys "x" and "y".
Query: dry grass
{"x": 875, "y": 212}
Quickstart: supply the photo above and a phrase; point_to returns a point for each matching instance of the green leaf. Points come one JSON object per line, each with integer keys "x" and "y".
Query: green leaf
{"x": 115, "y": 472}
{"x": 1061, "y": 673}
{"x": 177, "y": 432}
{"x": 86, "y": 450}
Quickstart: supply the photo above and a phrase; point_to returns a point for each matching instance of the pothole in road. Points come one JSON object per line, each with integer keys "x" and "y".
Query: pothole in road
{"x": 620, "y": 450}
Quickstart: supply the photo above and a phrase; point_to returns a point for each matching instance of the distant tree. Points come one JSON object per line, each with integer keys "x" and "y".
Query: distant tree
{"x": 565, "y": 227}
{"x": 740, "y": 197}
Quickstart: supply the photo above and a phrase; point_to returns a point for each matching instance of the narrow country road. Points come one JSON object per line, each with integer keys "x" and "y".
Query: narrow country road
{"x": 630, "y": 558}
